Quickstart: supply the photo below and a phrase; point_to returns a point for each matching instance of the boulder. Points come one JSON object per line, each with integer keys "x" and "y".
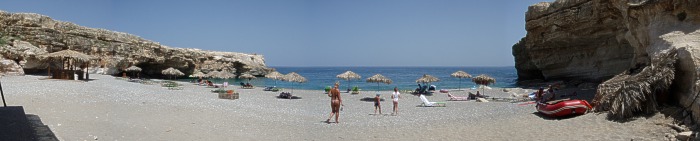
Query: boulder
{"x": 684, "y": 135}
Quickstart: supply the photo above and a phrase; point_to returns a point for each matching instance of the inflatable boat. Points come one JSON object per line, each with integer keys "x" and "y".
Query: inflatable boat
{"x": 564, "y": 107}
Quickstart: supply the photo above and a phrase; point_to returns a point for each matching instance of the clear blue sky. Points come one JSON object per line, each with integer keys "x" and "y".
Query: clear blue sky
{"x": 313, "y": 32}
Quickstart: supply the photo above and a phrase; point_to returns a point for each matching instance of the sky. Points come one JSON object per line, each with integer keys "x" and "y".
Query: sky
{"x": 313, "y": 32}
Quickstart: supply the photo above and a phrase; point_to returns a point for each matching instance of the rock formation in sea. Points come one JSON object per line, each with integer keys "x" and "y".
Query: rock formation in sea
{"x": 594, "y": 40}
{"x": 25, "y": 36}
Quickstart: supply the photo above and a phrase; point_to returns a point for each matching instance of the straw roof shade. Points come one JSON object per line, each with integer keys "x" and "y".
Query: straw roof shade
{"x": 246, "y": 76}
{"x": 427, "y": 79}
{"x": 483, "y": 80}
{"x": 274, "y": 75}
{"x": 349, "y": 75}
{"x": 460, "y": 75}
{"x": 224, "y": 74}
{"x": 199, "y": 74}
{"x": 133, "y": 68}
{"x": 294, "y": 77}
{"x": 212, "y": 74}
{"x": 378, "y": 78}
{"x": 69, "y": 54}
{"x": 172, "y": 72}
{"x": 627, "y": 95}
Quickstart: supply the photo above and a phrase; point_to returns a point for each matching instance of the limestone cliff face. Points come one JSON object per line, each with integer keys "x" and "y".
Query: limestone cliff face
{"x": 596, "y": 39}
{"x": 27, "y": 35}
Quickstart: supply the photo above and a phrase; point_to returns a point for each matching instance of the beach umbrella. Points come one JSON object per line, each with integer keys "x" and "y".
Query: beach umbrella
{"x": 460, "y": 75}
{"x": 294, "y": 77}
{"x": 483, "y": 80}
{"x": 349, "y": 75}
{"x": 274, "y": 76}
{"x": 225, "y": 74}
{"x": 212, "y": 74}
{"x": 172, "y": 72}
{"x": 247, "y": 76}
{"x": 199, "y": 74}
{"x": 134, "y": 69}
{"x": 427, "y": 79}
{"x": 378, "y": 78}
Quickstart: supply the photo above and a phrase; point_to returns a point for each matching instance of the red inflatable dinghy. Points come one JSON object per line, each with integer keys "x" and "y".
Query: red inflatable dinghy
{"x": 564, "y": 107}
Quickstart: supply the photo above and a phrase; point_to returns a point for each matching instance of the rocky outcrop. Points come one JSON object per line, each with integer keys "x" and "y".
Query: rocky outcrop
{"x": 27, "y": 35}
{"x": 593, "y": 40}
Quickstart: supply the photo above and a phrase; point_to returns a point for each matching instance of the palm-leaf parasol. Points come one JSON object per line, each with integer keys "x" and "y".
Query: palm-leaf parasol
{"x": 133, "y": 69}
{"x": 349, "y": 75}
{"x": 172, "y": 72}
{"x": 378, "y": 78}
{"x": 483, "y": 80}
{"x": 199, "y": 74}
{"x": 460, "y": 75}
{"x": 274, "y": 76}
{"x": 294, "y": 77}
{"x": 427, "y": 79}
{"x": 247, "y": 76}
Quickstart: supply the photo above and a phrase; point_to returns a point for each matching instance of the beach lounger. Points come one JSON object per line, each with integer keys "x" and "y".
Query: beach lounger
{"x": 427, "y": 103}
{"x": 457, "y": 98}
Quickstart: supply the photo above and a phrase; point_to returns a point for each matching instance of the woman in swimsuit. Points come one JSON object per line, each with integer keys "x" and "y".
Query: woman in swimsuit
{"x": 395, "y": 97}
{"x": 336, "y": 101}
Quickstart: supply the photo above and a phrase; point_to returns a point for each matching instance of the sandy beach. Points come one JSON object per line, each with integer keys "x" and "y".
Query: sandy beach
{"x": 112, "y": 109}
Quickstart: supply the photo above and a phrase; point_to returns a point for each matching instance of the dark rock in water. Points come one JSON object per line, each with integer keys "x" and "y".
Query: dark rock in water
{"x": 25, "y": 36}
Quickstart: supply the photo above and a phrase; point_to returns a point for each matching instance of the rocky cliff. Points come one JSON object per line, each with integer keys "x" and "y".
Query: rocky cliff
{"x": 593, "y": 40}
{"x": 24, "y": 36}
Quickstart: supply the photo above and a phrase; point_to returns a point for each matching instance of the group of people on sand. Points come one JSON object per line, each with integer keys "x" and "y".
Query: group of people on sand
{"x": 543, "y": 96}
{"x": 337, "y": 102}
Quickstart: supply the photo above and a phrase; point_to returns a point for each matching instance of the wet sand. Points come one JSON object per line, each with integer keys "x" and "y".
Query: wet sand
{"x": 112, "y": 109}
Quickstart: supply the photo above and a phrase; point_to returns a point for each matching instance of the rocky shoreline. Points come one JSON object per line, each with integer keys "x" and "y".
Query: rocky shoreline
{"x": 25, "y": 36}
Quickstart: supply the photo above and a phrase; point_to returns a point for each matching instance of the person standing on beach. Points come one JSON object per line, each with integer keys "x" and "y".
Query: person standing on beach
{"x": 395, "y": 97}
{"x": 336, "y": 102}
{"x": 377, "y": 99}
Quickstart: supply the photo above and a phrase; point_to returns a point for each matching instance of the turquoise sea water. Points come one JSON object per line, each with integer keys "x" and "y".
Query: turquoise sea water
{"x": 404, "y": 77}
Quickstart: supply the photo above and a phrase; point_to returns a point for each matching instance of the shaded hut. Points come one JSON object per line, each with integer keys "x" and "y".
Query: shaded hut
{"x": 72, "y": 63}
{"x": 133, "y": 69}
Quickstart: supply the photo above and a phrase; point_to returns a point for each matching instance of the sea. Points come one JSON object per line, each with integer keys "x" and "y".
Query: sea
{"x": 403, "y": 78}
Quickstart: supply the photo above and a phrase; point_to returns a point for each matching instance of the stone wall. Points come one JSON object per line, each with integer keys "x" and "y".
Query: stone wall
{"x": 40, "y": 34}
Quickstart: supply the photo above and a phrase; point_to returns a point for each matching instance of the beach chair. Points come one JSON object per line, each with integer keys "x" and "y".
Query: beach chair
{"x": 457, "y": 98}
{"x": 427, "y": 103}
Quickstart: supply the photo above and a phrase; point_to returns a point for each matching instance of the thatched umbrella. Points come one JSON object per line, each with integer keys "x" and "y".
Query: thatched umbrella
{"x": 199, "y": 74}
{"x": 427, "y": 79}
{"x": 212, "y": 74}
{"x": 67, "y": 55}
{"x": 274, "y": 76}
{"x": 460, "y": 75}
{"x": 134, "y": 69}
{"x": 172, "y": 72}
{"x": 483, "y": 80}
{"x": 378, "y": 78}
{"x": 247, "y": 76}
{"x": 628, "y": 94}
{"x": 349, "y": 75}
{"x": 294, "y": 77}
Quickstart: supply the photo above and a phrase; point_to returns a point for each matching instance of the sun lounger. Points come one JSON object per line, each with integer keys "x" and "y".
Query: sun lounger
{"x": 427, "y": 103}
{"x": 457, "y": 98}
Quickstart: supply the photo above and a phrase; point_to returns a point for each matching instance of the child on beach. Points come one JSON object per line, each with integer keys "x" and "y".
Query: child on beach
{"x": 395, "y": 98}
{"x": 377, "y": 99}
